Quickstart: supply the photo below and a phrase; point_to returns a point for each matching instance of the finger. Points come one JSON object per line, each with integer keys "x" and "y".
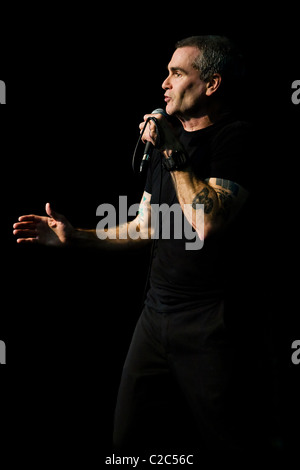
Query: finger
{"x": 30, "y": 217}
{"x": 152, "y": 132}
{"x": 143, "y": 126}
{"x": 25, "y": 233}
{"x": 24, "y": 225}
{"x": 27, "y": 240}
{"x": 143, "y": 129}
{"x": 48, "y": 210}
{"x": 52, "y": 213}
{"x": 158, "y": 116}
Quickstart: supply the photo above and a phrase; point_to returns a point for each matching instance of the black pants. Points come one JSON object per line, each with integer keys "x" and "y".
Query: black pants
{"x": 184, "y": 384}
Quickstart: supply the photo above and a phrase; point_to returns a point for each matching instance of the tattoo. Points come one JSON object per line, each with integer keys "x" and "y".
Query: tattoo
{"x": 226, "y": 200}
{"x": 141, "y": 213}
{"x": 227, "y": 184}
{"x": 203, "y": 198}
{"x": 141, "y": 209}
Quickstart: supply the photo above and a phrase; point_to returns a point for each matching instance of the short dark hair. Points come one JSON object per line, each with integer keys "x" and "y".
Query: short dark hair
{"x": 218, "y": 54}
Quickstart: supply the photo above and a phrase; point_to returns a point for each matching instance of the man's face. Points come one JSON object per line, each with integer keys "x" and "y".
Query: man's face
{"x": 184, "y": 91}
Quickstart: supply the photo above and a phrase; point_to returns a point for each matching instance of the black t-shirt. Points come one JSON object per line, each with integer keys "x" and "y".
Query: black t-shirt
{"x": 182, "y": 278}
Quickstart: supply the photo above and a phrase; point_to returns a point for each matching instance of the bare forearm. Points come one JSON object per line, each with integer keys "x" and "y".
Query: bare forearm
{"x": 221, "y": 201}
{"x": 115, "y": 238}
{"x": 191, "y": 192}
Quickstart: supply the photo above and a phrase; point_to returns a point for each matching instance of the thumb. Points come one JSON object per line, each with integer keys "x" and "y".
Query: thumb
{"x": 54, "y": 215}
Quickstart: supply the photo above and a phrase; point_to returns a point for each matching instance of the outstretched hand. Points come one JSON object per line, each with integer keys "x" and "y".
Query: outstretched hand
{"x": 53, "y": 229}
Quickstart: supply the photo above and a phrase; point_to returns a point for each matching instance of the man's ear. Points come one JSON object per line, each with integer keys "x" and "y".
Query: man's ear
{"x": 213, "y": 84}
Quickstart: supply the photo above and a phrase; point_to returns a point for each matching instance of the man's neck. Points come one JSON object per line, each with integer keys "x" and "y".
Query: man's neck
{"x": 205, "y": 119}
{"x": 195, "y": 124}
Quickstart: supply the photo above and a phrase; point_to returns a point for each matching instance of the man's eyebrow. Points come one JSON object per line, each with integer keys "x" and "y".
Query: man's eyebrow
{"x": 177, "y": 69}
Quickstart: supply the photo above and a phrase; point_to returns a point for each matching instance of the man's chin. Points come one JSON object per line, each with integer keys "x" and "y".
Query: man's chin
{"x": 170, "y": 109}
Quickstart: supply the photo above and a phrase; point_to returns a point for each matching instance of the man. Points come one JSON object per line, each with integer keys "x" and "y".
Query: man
{"x": 180, "y": 376}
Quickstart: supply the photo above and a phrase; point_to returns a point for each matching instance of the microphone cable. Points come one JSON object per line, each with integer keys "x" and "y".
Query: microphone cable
{"x": 133, "y": 164}
{"x": 159, "y": 140}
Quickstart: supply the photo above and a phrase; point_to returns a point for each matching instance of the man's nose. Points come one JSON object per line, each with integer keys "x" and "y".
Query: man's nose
{"x": 166, "y": 83}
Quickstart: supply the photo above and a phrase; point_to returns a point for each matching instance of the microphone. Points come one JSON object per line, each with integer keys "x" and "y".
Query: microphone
{"x": 149, "y": 146}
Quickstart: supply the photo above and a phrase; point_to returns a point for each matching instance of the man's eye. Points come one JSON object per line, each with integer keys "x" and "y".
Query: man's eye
{"x": 177, "y": 74}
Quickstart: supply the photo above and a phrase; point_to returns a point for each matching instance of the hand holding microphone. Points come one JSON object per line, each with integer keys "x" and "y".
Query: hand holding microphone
{"x": 153, "y": 134}
{"x": 158, "y": 132}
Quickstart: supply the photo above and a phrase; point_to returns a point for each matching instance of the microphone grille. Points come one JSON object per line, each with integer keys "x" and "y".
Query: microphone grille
{"x": 160, "y": 111}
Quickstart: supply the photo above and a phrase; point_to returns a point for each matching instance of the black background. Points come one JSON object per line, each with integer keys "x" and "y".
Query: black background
{"x": 79, "y": 81}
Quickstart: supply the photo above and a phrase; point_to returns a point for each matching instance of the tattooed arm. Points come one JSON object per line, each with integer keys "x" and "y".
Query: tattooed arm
{"x": 222, "y": 200}
{"x": 133, "y": 234}
{"x": 54, "y": 229}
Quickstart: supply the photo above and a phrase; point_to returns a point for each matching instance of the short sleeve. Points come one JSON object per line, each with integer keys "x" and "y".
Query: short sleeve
{"x": 232, "y": 154}
{"x": 153, "y": 172}
{"x": 148, "y": 183}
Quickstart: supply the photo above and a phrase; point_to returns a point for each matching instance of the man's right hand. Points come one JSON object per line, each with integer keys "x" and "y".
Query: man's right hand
{"x": 53, "y": 229}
